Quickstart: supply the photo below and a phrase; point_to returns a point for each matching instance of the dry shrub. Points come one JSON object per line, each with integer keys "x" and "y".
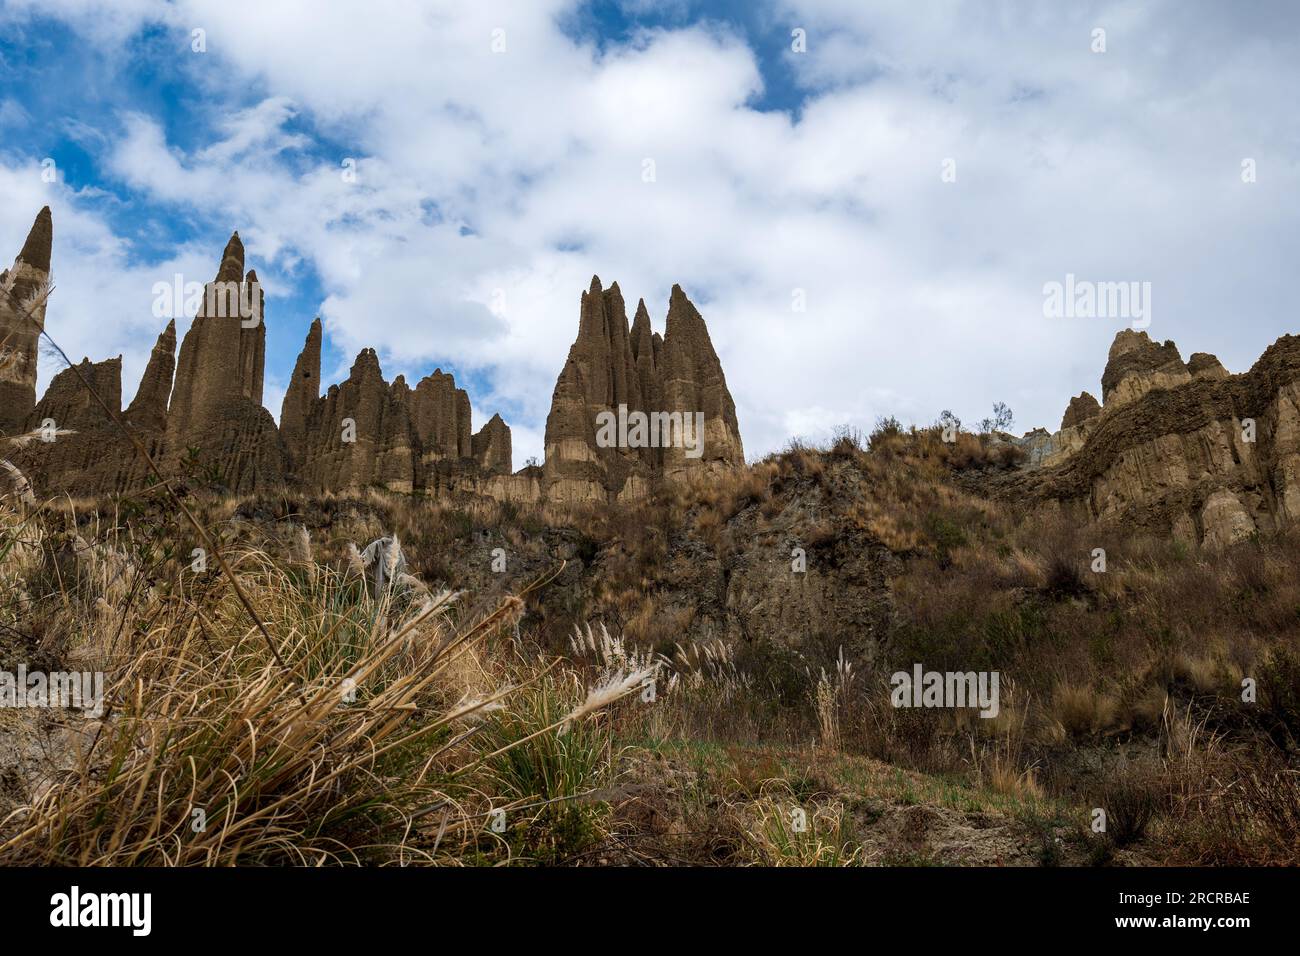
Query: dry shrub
{"x": 1204, "y": 674}
{"x": 281, "y": 768}
{"x": 708, "y": 525}
{"x": 1263, "y": 806}
{"x": 1132, "y": 795}
{"x": 898, "y": 532}
{"x": 1280, "y": 686}
{"x": 659, "y": 627}
{"x": 833, "y": 698}
{"x": 999, "y": 753}
{"x": 967, "y": 451}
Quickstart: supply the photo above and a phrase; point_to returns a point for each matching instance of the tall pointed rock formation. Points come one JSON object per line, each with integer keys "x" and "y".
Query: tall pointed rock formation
{"x": 148, "y": 410}
{"x": 491, "y": 447}
{"x": 599, "y": 375}
{"x": 216, "y": 412}
{"x": 301, "y": 395}
{"x": 199, "y": 412}
{"x": 252, "y": 340}
{"x": 22, "y": 317}
{"x": 646, "y": 346}
{"x": 440, "y": 413}
{"x": 693, "y": 384}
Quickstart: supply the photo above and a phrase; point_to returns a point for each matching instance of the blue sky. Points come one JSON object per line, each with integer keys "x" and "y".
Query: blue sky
{"x": 501, "y": 151}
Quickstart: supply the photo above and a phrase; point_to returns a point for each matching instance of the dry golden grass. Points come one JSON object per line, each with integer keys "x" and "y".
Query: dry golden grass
{"x": 381, "y": 744}
{"x": 1083, "y": 710}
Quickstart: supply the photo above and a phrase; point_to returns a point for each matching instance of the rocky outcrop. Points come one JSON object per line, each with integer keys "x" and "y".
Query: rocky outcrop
{"x": 1136, "y": 365}
{"x": 1205, "y": 365}
{"x": 22, "y": 317}
{"x": 366, "y": 432}
{"x": 68, "y": 404}
{"x": 631, "y": 408}
{"x": 1208, "y": 456}
{"x": 97, "y": 457}
{"x": 1082, "y": 408}
{"x": 211, "y": 425}
{"x": 1044, "y": 450}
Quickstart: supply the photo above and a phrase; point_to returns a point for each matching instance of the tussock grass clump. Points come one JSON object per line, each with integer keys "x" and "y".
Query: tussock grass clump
{"x": 209, "y": 754}
{"x": 376, "y": 728}
{"x": 780, "y": 829}
{"x": 1082, "y": 710}
{"x": 557, "y": 783}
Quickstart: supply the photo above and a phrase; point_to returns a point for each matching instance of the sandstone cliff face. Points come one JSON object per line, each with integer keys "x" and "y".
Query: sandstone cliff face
{"x": 441, "y": 415}
{"x": 1192, "y": 450}
{"x": 615, "y": 373}
{"x": 465, "y": 476}
{"x": 22, "y": 317}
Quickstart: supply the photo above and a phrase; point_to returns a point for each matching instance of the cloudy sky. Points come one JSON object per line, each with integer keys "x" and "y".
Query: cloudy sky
{"x": 910, "y": 173}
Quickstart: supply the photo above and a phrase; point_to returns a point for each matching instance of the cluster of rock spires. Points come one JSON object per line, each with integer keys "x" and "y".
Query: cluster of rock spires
{"x": 618, "y": 371}
{"x": 1173, "y": 445}
{"x": 1181, "y": 447}
{"x": 201, "y": 412}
